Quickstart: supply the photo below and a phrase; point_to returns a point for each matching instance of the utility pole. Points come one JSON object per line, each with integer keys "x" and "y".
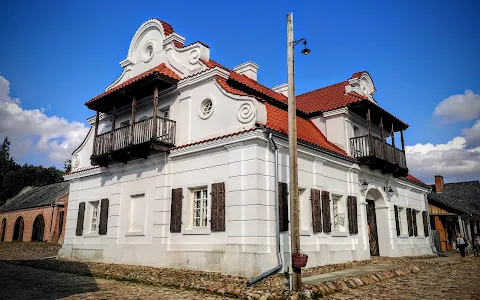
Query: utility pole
{"x": 292, "y": 138}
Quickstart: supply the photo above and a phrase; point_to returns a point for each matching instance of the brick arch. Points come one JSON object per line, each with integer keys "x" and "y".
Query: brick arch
{"x": 38, "y": 228}
{"x": 4, "y": 228}
{"x": 18, "y": 229}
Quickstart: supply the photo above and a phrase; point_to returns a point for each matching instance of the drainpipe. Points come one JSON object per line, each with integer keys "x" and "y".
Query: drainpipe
{"x": 277, "y": 225}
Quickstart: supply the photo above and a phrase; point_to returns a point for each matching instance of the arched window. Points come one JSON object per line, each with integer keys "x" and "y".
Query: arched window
{"x": 18, "y": 230}
{"x": 142, "y": 118}
{"x": 38, "y": 229}
{"x": 4, "y": 227}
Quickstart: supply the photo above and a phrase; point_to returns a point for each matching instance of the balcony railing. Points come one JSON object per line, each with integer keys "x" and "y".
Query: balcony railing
{"x": 138, "y": 133}
{"x": 372, "y": 150}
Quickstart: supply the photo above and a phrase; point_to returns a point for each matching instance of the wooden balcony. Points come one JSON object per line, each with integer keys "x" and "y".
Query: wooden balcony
{"x": 378, "y": 154}
{"x": 136, "y": 140}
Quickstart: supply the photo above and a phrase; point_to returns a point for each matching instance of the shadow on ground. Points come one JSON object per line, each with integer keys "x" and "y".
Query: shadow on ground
{"x": 19, "y": 280}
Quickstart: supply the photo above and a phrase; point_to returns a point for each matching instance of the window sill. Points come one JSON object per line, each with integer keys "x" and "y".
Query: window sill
{"x": 203, "y": 231}
{"x": 339, "y": 233}
{"x": 135, "y": 233}
{"x": 305, "y": 232}
{"x": 91, "y": 235}
{"x": 403, "y": 236}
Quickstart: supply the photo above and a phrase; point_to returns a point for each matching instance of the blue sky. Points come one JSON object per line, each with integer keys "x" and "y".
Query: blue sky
{"x": 58, "y": 54}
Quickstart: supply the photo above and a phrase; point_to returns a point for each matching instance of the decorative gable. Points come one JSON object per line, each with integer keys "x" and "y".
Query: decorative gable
{"x": 362, "y": 84}
{"x": 156, "y": 43}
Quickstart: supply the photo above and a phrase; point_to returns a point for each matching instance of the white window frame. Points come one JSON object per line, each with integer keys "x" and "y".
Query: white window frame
{"x": 187, "y": 211}
{"x": 403, "y": 221}
{"x": 305, "y": 211}
{"x": 88, "y": 221}
{"x": 341, "y": 208}
{"x": 130, "y": 202}
{"x": 202, "y": 208}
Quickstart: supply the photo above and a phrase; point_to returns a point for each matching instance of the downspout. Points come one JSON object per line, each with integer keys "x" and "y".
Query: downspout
{"x": 277, "y": 225}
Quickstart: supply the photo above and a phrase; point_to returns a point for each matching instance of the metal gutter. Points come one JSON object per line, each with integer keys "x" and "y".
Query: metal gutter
{"x": 277, "y": 225}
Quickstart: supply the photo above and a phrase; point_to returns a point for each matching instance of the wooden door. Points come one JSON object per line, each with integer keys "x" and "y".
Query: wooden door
{"x": 372, "y": 228}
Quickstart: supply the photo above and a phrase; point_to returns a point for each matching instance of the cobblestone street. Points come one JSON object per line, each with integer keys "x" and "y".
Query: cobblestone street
{"x": 460, "y": 281}
{"x": 20, "y": 282}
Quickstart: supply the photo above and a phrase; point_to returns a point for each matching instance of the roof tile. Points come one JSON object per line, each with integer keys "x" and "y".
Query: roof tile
{"x": 160, "y": 69}
{"x": 277, "y": 120}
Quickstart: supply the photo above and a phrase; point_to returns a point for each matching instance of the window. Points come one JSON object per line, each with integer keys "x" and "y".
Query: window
{"x": 338, "y": 213}
{"x": 95, "y": 216}
{"x": 125, "y": 123}
{"x": 136, "y": 217}
{"x": 142, "y": 118}
{"x": 60, "y": 223}
{"x": 200, "y": 203}
{"x": 305, "y": 209}
{"x": 206, "y": 109}
{"x": 402, "y": 220}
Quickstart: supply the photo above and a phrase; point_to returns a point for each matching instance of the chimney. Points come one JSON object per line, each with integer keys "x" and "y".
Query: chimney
{"x": 281, "y": 89}
{"x": 438, "y": 183}
{"x": 249, "y": 69}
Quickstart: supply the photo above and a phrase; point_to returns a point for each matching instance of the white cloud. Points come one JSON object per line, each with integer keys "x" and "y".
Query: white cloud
{"x": 463, "y": 107}
{"x": 33, "y": 131}
{"x": 453, "y": 160}
{"x": 472, "y": 136}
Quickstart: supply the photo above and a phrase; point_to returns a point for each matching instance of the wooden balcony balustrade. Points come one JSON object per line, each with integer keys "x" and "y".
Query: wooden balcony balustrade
{"x": 139, "y": 133}
{"x": 375, "y": 152}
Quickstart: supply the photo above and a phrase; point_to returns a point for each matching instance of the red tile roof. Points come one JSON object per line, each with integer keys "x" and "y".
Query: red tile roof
{"x": 223, "y": 83}
{"x": 250, "y": 83}
{"x": 327, "y": 98}
{"x": 411, "y": 177}
{"x": 277, "y": 120}
{"x": 358, "y": 74}
{"x": 160, "y": 69}
{"x": 167, "y": 28}
{"x": 216, "y": 138}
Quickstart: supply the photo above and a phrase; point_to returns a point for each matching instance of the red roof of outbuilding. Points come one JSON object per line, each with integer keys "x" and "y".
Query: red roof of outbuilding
{"x": 160, "y": 69}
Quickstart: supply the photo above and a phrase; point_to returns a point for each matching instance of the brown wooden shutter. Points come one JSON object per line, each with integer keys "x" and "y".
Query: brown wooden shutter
{"x": 352, "y": 214}
{"x": 426, "y": 230}
{"x": 414, "y": 221}
{"x": 218, "y": 207}
{"x": 102, "y": 228}
{"x": 80, "y": 218}
{"x": 327, "y": 225}
{"x": 176, "y": 211}
{"x": 316, "y": 211}
{"x": 409, "y": 222}
{"x": 397, "y": 221}
{"x": 283, "y": 205}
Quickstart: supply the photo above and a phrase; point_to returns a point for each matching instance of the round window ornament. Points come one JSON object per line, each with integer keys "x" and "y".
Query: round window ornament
{"x": 206, "y": 108}
{"x": 148, "y": 53}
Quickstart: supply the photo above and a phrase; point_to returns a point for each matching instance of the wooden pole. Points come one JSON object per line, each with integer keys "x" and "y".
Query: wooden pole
{"x": 132, "y": 121}
{"x": 393, "y": 137}
{"x": 401, "y": 138}
{"x": 292, "y": 138}
{"x": 369, "y": 124}
{"x": 381, "y": 128}
{"x": 95, "y": 147}
{"x": 112, "y": 139}
{"x": 155, "y": 112}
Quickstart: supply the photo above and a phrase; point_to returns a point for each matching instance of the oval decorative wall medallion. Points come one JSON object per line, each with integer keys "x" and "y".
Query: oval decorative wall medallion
{"x": 246, "y": 112}
{"x": 206, "y": 109}
{"x": 194, "y": 56}
{"x": 148, "y": 52}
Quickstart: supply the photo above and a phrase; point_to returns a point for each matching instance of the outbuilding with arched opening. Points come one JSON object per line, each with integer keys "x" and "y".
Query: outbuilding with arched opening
{"x": 36, "y": 214}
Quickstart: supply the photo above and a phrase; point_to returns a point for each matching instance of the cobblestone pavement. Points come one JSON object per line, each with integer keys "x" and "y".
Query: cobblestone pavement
{"x": 460, "y": 281}
{"x": 20, "y": 282}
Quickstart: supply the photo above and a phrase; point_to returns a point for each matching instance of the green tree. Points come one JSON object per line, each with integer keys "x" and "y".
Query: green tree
{"x": 67, "y": 165}
{"x": 13, "y": 177}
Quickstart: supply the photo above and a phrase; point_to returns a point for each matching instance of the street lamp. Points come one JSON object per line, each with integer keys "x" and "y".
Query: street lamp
{"x": 292, "y": 139}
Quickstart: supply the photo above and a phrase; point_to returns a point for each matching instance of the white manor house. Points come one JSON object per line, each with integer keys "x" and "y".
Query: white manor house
{"x": 186, "y": 158}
